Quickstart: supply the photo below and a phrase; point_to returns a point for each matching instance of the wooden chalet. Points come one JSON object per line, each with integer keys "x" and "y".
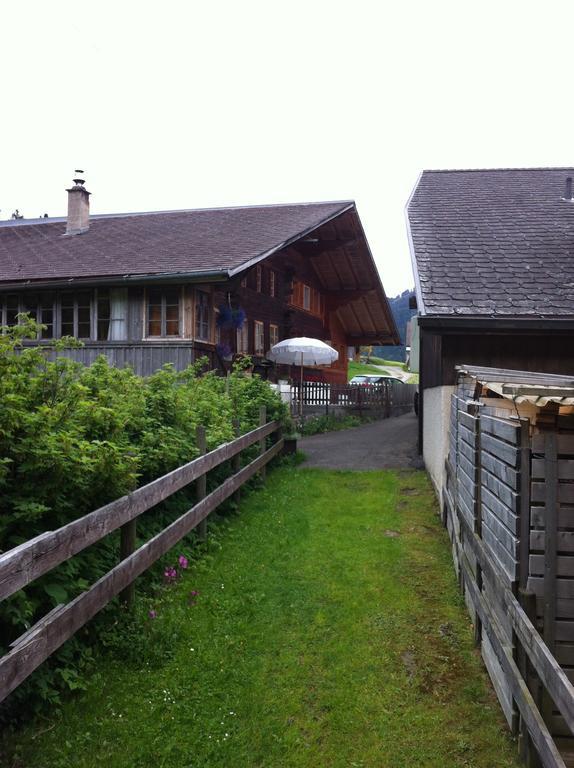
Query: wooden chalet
{"x": 145, "y": 289}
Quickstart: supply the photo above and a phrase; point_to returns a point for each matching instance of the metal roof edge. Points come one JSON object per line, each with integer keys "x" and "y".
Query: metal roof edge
{"x": 418, "y": 287}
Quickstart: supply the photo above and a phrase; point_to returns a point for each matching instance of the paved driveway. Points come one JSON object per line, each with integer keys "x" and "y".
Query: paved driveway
{"x": 386, "y": 444}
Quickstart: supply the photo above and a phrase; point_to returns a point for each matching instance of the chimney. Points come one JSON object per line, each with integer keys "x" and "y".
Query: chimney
{"x": 568, "y": 192}
{"x": 78, "y": 207}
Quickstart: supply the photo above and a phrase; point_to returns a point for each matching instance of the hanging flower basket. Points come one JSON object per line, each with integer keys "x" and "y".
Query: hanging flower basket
{"x": 230, "y": 318}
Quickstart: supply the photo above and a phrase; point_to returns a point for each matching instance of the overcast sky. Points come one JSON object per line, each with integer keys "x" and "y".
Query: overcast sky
{"x": 199, "y": 104}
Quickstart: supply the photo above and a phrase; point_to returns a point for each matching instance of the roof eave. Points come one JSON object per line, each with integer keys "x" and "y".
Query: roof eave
{"x": 347, "y": 206}
{"x": 164, "y": 277}
{"x": 418, "y": 288}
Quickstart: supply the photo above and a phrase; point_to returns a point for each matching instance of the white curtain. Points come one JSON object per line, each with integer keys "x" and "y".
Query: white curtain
{"x": 118, "y": 314}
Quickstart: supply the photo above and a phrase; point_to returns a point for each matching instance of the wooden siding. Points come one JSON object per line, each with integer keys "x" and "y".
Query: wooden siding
{"x": 545, "y": 351}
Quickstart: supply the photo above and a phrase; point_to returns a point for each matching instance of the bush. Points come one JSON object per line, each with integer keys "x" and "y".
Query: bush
{"x": 73, "y": 438}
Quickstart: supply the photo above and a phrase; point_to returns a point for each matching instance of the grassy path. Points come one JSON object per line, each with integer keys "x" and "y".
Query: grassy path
{"x": 327, "y": 632}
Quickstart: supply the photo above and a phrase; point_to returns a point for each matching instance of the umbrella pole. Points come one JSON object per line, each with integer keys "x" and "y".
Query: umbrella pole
{"x": 301, "y": 393}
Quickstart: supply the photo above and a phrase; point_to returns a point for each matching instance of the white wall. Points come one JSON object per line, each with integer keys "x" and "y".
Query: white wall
{"x": 436, "y": 416}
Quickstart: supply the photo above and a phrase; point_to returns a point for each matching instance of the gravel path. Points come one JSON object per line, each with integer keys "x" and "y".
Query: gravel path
{"x": 386, "y": 444}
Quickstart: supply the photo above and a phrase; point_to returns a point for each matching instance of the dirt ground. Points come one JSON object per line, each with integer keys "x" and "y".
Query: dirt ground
{"x": 385, "y": 444}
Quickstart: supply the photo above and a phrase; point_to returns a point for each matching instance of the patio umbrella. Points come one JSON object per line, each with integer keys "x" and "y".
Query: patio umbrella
{"x": 303, "y": 351}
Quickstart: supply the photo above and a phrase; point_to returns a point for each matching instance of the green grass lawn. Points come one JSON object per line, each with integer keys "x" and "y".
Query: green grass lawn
{"x": 356, "y": 369}
{"x": 327, "y": 632}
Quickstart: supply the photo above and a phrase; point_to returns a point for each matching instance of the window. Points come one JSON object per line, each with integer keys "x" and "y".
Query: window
{"x": 258, "y": 278}
{"x": 202, "y": 300}
{"x": 163, "y": 312}
{"x": 273, "y": 335}
{"x": 77, "y": 315}
{"x": 243, "y": 339}
{"x": 272, "y": 284}
{"x": 307, "y": 298}
{"x": 259, "y": 338}
{"x": 40, "y": 307}
{"x": 111, "y": 314}
{"x": 244, "y": 282}
{"x": 11, "y": 309}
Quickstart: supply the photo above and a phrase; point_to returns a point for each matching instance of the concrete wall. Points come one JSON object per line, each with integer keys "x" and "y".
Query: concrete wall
{"x": 436, "y": 416}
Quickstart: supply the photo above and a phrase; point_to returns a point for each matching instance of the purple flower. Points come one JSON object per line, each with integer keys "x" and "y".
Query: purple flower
{"x": 183, "y": 562}
{"x": 170, "y": 574}
{"x": 152, "y": 614}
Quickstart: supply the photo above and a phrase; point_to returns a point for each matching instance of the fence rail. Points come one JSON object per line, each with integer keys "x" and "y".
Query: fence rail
{"x": 27, "y": 562}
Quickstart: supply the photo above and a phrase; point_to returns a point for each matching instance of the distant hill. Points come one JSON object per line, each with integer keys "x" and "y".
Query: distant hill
{"x": 402, "y": 314}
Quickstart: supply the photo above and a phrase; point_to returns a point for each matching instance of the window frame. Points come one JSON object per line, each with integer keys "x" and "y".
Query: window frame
{"x": 163, "y": 314}
{"x": 273, "y": 327}
{"x": 258, "y": 329}
{"x": 259, "y": 278}
{"x": 75, "y": 307}
{"x": 272, "y": 284}
{"x": 209, "y": 308}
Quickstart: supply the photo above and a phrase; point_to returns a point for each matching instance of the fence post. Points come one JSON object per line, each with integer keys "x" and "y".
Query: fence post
{"x": 236, "y": 462}
{"x": 262, "y": 422}
{"x": 127, "y": 547}
{"x": 201, "y": 485}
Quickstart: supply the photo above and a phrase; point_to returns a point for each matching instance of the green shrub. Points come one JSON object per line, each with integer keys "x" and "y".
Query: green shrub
{"x": 73, "y": 438}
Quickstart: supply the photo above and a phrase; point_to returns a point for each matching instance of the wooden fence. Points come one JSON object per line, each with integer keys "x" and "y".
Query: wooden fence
{"x": 500, "y": 509}
{"x": 27, "y": 562}
{"x": 386, "y": 398}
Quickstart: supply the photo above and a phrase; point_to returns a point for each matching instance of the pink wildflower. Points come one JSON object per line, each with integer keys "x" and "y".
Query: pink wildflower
{"x": 183, "y": 562}
{"x": 152, "y": 614}
{"x": 170, "y": 574}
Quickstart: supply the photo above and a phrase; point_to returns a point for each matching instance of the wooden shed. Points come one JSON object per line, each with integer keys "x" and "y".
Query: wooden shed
{"x": 508, "y": 504}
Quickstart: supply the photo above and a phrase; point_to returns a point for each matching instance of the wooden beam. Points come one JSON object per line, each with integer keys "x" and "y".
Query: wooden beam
{"x": 36, "y": 645}
{"x": 25, "y": 563}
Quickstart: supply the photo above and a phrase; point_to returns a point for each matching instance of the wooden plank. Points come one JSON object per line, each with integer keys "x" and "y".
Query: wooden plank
{"x": 503, "y": 560}
{"x": 496, "y": 467}
{"x": 497, "y": 507}
{"x": 498, "y": 678}
{"x": 507, "y": 453}
{"x": 546, "y": 666}
{"x": 504, "y": 537}
{"x": 564, "y": 565}
{"x": 467, "y": 483}
{"x": 501, "y": 428}
{"x": 564, "y": 608}
{"x": 565, "y": 443}
{"x": 565, "y": 491}
{"x": 502, "y": 491}
{"x": 468, "y": 422}
{"x": 536, "y": 727}
{"x": 466, "y": 450}
{"x": 564, "y": 587}
{"x": 466, "y": 436}
{"x": 468, "y": 467}
{"x": 25, "y": 563}
{"x": 564, "y": 541}
{"x": 550, "y": 538}
{"x": 565, "y": 516}
{"x": 32, "y": 649}
{"x": 565, "y": 653}
{"x": 201, "y": 483}
{"x": 565, "y": 469}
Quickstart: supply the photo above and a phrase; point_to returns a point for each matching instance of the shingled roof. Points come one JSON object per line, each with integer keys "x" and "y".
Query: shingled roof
{"x": 217, "y": 240}
{"x": 493, "y": 243}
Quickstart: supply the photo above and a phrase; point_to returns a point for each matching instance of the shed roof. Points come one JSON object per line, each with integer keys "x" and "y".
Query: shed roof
{"x": 493, "y": 243}
{"x": 523, "y": 386}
